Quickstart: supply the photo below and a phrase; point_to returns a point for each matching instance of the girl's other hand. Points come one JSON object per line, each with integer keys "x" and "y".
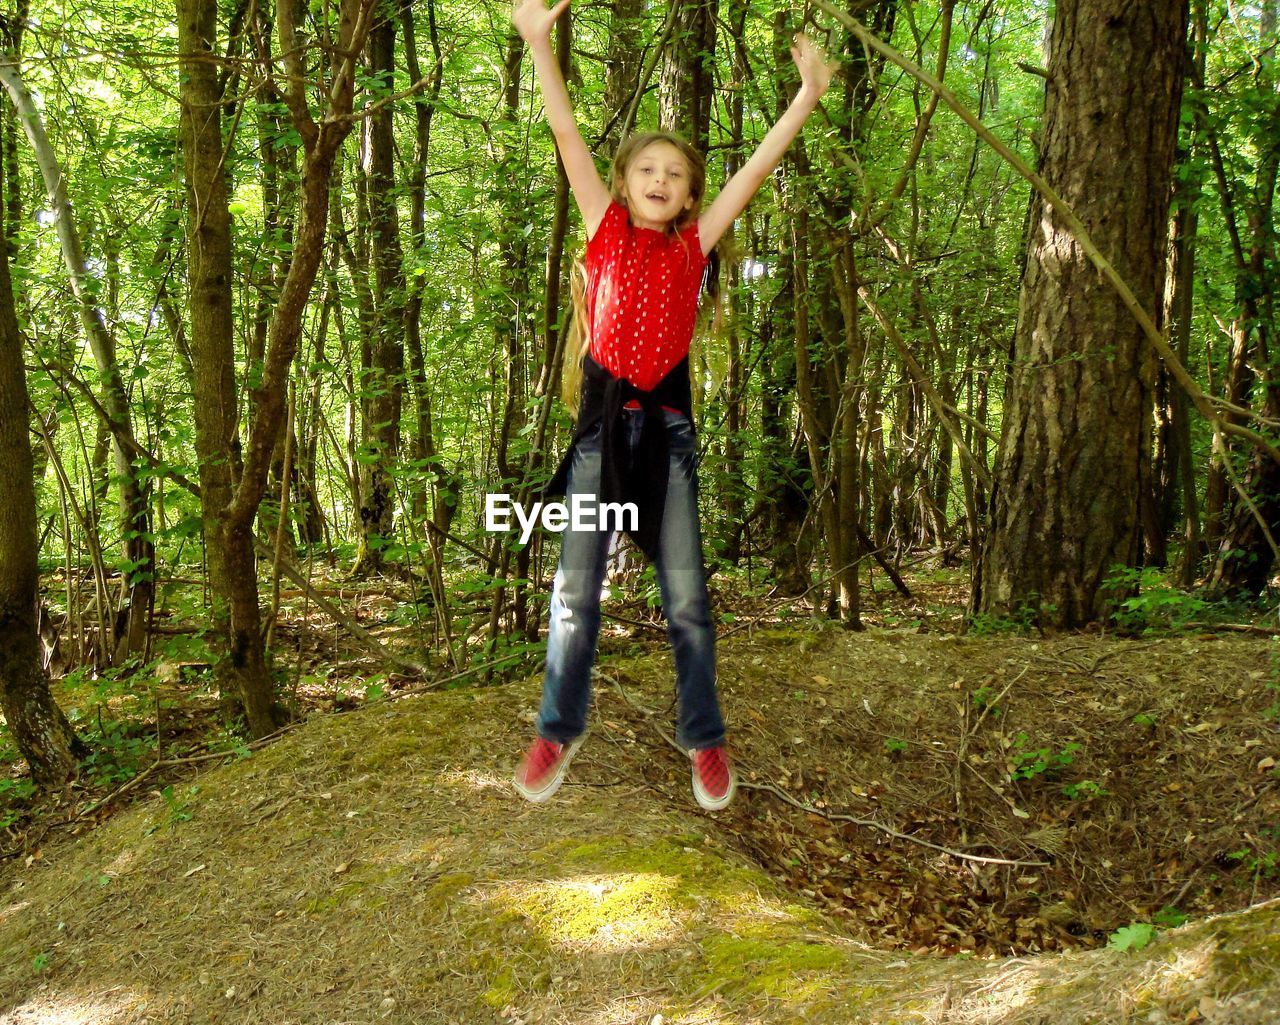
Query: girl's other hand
{"x": 815, "y": 70}
{"x": 532, "y": 19}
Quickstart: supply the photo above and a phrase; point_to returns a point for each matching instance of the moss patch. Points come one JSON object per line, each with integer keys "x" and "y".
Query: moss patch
{"x": 601, "y": 911}
{"x": 790, "y": 971}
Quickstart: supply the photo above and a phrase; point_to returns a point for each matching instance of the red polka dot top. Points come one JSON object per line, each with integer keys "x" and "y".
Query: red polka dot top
{"x": 642, "y": 297}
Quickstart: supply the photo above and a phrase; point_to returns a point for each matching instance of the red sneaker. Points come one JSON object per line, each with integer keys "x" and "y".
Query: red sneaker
{"x": 542, "y": 771}
{"x": 713, "y": 780}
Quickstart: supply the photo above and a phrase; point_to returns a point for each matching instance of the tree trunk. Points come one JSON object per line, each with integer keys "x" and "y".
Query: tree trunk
{"x": 232, "y": 567}
{"x": 423, "y": 450}
{"x": 383, "y": 385}
{"x": 685, "y": 88}
{"x": 135, "y": 513}
{"x": 1246, "y": 553}
{"x": 41, "y": 732}
{"x": 622, "y": 66}
{"x": 1178, "y": 483}
{"x": 1065, "y": 509}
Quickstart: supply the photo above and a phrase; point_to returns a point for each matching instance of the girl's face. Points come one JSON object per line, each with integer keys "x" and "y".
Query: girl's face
{"x": 657, "y": 185}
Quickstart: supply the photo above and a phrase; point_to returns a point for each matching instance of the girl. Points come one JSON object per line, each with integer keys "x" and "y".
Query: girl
{"x": 648, "y": 243}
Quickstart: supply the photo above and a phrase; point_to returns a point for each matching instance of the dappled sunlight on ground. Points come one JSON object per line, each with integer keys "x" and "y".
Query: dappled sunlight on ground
{"x": 70, "y": 1009}
{"x": 630, "y": 1010}
{"x": 613, "y": 912}
{"x": 13, "y": 909}
{"x": 1182, "y": 967}
{"x": 469, "y": 779}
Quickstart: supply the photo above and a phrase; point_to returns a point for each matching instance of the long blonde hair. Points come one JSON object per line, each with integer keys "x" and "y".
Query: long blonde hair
{"x": 578, "y": 341}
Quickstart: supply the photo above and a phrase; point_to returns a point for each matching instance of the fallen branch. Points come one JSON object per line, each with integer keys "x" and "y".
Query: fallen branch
{"x": 288, "y": 569}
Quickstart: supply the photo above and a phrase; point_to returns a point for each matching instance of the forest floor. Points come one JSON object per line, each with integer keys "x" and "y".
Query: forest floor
{"x": 1093, "y": 793}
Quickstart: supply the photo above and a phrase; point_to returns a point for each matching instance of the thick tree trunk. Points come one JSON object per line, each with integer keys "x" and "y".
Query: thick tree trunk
{"x": 1065, "y": 510}
{"x": 41, "y": 732}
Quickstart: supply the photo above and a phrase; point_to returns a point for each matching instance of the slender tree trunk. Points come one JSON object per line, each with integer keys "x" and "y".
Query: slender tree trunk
{"x": 1065, "y": 510}
{"x": 423, "y": 444}
{"x": 1246, "y": 553}
{"x": 10, "y": 170}
{"x": 734, "y": 400}
{"x": 685, "y": 88}
{"x": 1178, "y": 483}
{"x": 383, "y": 386}
{"x": 320, "y": 141}
{"x": 622, "y": 66}
{"x": 232, "y": 566}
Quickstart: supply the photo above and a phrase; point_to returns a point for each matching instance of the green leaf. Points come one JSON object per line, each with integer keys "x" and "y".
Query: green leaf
{"x": 1134, "y": 936}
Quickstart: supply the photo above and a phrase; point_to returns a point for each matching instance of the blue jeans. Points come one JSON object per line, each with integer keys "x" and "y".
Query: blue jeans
{"x": 575, "y": 596}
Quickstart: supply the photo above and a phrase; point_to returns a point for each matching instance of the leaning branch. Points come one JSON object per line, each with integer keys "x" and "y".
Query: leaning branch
{"x": 1204, "y": 403}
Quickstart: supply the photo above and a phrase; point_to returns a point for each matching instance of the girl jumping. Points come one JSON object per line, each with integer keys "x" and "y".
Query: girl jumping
{"x": 648, "y": 240}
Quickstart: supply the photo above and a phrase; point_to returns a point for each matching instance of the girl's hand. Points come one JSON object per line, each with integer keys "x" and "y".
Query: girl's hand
{"x": 532, "y": 19}
{"x": 815, "y": 70}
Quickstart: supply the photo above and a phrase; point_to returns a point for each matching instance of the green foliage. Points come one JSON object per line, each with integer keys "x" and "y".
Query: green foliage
{"x": 13, "y": 792}
{"x": 177, "y": 810}
{"x": 230, "y": 738}
{"x": 117, "y": 755}
{"x": 983, "y": 697}
{"x": 1132, "y": 937}
{"x": 1029, "y": 762}
{"x": 894, "y": 745}
{"x": 1022, "y": 619}
{"x": 1084, "y": 790}
{"x": 1157, "y": 606}
{"x": 1136, "y": 935}
{"x": 1261, "y": 855}
{"x": 1170, "y": 918}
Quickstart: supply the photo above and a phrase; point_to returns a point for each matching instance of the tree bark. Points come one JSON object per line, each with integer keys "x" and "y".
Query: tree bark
{"x": 139, "y": 550}
{"x": 685, "y": 87}
{"x": 40, "y": 730}
{"x": 622, "y": 66}
{"x": 1065, "y": 510}
{"x": 382, "y": 387}
{"x": 232, "y": 566}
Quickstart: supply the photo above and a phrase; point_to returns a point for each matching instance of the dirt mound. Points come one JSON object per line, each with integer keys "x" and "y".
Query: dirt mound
{"x": 375, "y": 866}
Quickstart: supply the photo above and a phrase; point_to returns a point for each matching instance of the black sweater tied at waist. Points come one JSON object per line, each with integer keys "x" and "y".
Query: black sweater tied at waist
{"x": 642, "y": 480}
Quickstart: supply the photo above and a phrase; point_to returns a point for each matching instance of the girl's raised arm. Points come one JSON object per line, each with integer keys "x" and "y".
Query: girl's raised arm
{"x": 533, "y": 21}
{"x": 815, "y": 76}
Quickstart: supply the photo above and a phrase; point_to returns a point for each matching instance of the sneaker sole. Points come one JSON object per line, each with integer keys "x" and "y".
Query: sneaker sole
{"x": 548, "y": 792}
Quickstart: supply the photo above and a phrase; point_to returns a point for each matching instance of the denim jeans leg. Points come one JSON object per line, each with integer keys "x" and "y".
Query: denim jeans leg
{"x": 575, "y": 611}
{"x": 682, "y": 579}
